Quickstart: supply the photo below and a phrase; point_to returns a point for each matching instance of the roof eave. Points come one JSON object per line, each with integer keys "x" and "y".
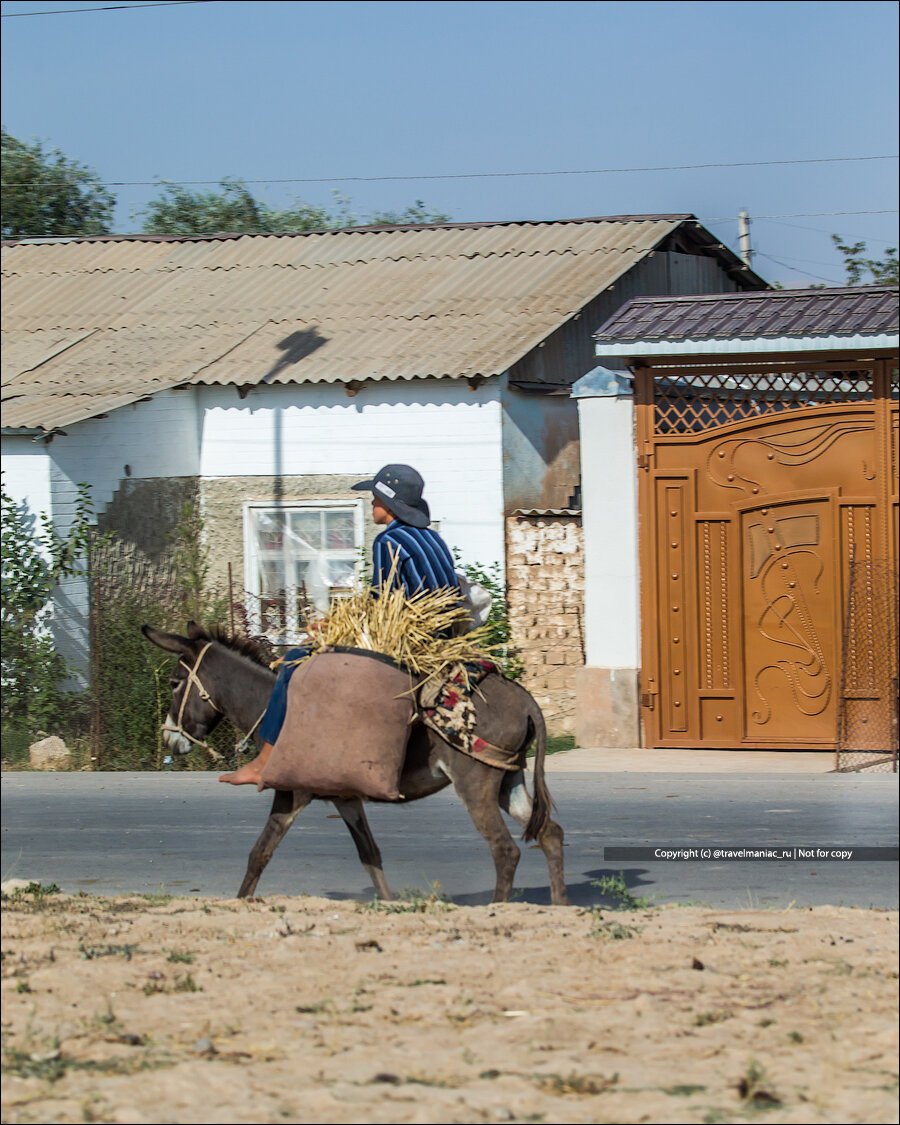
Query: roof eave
{"x": 635, "y": 351}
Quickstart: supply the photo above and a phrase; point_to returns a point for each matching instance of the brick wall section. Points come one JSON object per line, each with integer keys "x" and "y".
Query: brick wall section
{"x": 545, "y": 582}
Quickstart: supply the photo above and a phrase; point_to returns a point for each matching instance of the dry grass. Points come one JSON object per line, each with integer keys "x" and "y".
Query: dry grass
{"x": 415, "y": 631}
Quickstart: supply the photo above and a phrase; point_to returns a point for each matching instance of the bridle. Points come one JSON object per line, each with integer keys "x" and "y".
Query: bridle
{"x": 193, "y": 680}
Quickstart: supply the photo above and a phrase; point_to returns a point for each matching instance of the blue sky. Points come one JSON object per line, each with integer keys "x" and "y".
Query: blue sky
{"x": 270, "y": 90}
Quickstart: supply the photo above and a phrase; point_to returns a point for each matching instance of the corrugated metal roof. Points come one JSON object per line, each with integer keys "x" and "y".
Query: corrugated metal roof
{"x": 807, "y": 313}
{"x": 91, "y": 324}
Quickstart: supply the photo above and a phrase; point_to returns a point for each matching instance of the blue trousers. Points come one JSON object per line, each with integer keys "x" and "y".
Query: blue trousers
{"x": 273, "y": 720}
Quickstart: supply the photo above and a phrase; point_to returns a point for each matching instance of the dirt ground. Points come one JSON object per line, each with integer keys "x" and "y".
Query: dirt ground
{"x": 138, "y": 1009}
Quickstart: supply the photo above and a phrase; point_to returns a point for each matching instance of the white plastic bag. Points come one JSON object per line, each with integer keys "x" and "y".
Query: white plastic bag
{"x": 477, "y": 603}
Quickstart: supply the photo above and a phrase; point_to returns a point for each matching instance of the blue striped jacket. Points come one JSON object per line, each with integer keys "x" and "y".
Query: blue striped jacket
{"x": 424, "y": 559}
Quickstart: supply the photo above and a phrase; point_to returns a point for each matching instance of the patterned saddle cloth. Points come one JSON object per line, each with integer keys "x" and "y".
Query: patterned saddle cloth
{"x": 448, "y": 707}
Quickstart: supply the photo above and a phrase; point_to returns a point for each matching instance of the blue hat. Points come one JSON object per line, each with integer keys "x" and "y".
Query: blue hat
{"x": 399, "y": 488}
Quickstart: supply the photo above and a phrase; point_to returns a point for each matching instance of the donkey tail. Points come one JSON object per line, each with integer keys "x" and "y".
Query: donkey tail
{"x": 542, "y": 803}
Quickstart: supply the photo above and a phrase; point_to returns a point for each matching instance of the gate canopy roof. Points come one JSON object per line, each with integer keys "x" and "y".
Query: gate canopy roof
{"x": 786, "y": 320}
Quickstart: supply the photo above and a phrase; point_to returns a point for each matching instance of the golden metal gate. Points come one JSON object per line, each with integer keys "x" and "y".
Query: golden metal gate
{"x": 758, "y": 485}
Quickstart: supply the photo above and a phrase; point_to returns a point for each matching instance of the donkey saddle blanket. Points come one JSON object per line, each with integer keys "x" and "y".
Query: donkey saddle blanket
{"x": 447, "y": 705}
{"x": 346, "y": 728}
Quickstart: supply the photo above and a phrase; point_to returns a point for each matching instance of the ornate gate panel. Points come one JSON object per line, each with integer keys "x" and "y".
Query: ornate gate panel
{"x": 756, "y": 490}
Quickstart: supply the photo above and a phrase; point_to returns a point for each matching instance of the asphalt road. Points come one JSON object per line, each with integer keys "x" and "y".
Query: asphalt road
{"x": 184, "y": 834}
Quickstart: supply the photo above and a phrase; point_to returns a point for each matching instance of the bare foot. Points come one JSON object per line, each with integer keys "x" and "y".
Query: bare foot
{"x": 249, "y": 774}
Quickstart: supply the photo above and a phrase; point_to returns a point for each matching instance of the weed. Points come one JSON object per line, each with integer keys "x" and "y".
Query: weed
{"x": 703, "y": 1019}
{"x": 424, "y": 980}
{"x": 413, "y": 901}
{"x": 685, "y": 1091}
{"x": 611, "y": 930}
{"x": 795, "y": 1036}
{"x": 36, "y": 892}
{"x": 579, "y": 1084}
{"x": 52, "y": 1065}
{"x": 180, "y": 984}
{"x": 23, "y": 986}
{"x": 180, "y": 958}
{"x": 755, "y": 1088}
{"x": 556, "y": 743}
{"x": 614, "y": 886}
{"x": 314, "y": 1009}
{"x": 89, "y": 952}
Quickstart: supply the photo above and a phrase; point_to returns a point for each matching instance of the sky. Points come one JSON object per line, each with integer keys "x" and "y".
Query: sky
{"x": 485, "y": 111}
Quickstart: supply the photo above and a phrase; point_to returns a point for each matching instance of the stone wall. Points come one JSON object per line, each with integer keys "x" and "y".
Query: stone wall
{"x": 545, "y": 582}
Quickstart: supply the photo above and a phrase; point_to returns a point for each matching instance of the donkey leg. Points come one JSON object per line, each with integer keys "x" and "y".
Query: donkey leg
{"x": 478, "y": 787}
{"x": 284, "y": 812}
{"x": 516, "y": 800}
{"x": 354, "y": 816}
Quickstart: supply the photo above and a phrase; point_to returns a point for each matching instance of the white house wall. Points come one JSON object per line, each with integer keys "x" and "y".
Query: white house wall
{"x": 451, "y": 434}
{"x": 26, "y": 473}
{"x": 153, "y": 439}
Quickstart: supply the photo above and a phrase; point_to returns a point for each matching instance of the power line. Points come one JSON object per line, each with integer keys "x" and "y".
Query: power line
{"x": 804, "y": 215}
{"x": 501, "y": 175}
{"x": 793, "y": 269}
{"x": 105, "y": 8}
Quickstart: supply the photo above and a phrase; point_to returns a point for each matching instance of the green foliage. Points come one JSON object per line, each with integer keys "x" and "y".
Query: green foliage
{"x": 35, "y": 558}
{"x": 235, "y": 210}
{"x": 615, "y": 887}
{"x": 130, "y": 678}
{"x": 190, "y": 556}
{"x": 499, "y": 628}
{"x": 867, "y": 271}
{"x": 47, "y": 195}
{"x": 417, "y": 213}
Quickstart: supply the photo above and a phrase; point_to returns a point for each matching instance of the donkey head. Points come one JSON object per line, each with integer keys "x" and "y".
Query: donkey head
{"x": 192, "y": 713}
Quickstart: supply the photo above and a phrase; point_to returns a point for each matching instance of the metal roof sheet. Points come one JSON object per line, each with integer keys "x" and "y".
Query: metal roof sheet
{"x": 803, "y": 313}
{"x": 88, "y": 322}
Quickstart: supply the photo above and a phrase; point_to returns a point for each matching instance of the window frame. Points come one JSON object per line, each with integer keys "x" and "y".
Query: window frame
{"x": 290, "y": 629}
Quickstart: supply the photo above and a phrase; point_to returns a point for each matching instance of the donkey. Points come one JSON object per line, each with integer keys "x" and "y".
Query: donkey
{"x": 220, "y": 676}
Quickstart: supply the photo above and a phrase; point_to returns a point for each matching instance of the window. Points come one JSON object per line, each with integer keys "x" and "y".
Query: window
{"x": 298, "y": 557}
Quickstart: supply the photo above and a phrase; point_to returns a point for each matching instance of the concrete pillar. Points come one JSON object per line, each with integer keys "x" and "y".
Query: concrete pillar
{"x": 607, "y": 705}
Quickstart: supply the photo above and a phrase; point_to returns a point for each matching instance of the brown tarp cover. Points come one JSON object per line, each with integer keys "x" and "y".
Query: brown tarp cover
{"x": 346, "y": 727}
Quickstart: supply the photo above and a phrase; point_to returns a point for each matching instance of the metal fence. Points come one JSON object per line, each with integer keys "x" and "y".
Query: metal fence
{"x": 129, "y": 690}
{"x": 868, "y": 705}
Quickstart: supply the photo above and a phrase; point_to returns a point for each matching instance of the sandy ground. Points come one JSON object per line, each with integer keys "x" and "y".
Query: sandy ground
{"x": 306, "y": 1010}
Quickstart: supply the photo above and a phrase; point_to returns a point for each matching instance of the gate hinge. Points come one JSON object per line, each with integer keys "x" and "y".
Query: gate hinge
{"x": 645, "y": 459}
{"x": 648, "y": 698}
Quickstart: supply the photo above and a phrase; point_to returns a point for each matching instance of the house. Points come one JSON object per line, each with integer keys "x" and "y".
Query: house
{"x": 265, "y": 374}
{"x": 747, "y": 459}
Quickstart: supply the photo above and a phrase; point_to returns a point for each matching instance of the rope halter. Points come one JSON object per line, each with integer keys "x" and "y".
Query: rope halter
{"x": 193, "y": 680}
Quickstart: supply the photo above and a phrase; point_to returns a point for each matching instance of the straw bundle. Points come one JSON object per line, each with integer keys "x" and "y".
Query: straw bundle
{"x": 415, "y": 631}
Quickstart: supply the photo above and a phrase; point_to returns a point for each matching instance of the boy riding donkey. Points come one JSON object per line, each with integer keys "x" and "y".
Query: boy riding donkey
{"x": 407, "y": 552}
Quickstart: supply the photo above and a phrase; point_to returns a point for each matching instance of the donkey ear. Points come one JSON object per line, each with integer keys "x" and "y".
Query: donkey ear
{"x": 197, "y": 632}
{"x": 171, "y": 642}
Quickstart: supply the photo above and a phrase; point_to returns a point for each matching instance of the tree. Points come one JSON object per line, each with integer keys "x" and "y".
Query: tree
{"x": 47, "y": 195}
{"x": 34, "y": 560}
{"x": 234, "y": 210}
{"x": 883, "y": 271}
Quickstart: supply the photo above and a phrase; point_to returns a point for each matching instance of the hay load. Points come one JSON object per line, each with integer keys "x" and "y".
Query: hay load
{"x": 415, "y": 631}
